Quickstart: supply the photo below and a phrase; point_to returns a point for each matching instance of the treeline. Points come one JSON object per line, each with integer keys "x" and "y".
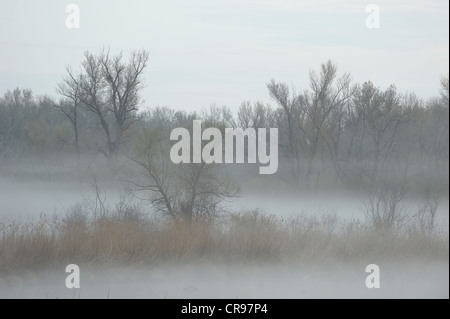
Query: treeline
{"x": 333, "y": 133}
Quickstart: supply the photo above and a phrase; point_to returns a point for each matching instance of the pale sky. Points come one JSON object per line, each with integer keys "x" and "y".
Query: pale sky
{"x": 224, "y": 51}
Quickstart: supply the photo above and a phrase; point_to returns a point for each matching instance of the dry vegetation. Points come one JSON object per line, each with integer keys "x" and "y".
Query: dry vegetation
{"x": 124, "y": 235}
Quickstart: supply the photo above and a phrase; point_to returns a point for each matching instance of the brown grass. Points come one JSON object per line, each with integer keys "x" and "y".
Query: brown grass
{"x": 128, "y": 237}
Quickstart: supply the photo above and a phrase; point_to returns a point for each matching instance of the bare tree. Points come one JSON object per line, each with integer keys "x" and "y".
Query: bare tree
{"x": 256, "y": 115}
{"x": 325, "y": 110}
{"x": 180, "y": 191}
{"x": 219, "y": 117}
{"x": 316, "y": 116}
{"x": 385, "y": 210}
{"x": 16, "y": 109}
{"x": 376, "y": 116}
{"x": 123, "y": 83}
{"x": 427, "y": 212}
{"x": 109, "y": 88}
{"x": 70, "y": 89}
{"x": 245, "y": 115}
{"x": 93, "y": 96}
{"x": 289, "y": 103}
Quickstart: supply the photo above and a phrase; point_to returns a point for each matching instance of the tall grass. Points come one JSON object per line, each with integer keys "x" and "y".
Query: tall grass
{"x": 125, "y": 236}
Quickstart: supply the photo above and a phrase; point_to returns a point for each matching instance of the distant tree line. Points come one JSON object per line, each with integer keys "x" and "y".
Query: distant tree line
{"x": 334, "y": 131}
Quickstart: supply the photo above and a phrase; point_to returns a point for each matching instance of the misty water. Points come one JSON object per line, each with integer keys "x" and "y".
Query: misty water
{"x": 190, "y": 281}
{"x": 23, "y": 199}
{"x": 354, "y": 108}
{"x": 30, "y": 198}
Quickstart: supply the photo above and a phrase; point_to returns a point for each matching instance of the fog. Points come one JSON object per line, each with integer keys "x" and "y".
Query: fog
{"x": 190, "y": 281}
{"x": 29, "y": 198}
{"x": 112, "y": 157}
{"x": 25, "y": 199}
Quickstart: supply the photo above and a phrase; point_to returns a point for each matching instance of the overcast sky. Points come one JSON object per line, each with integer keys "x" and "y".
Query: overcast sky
{"x": 224, "y": 51}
